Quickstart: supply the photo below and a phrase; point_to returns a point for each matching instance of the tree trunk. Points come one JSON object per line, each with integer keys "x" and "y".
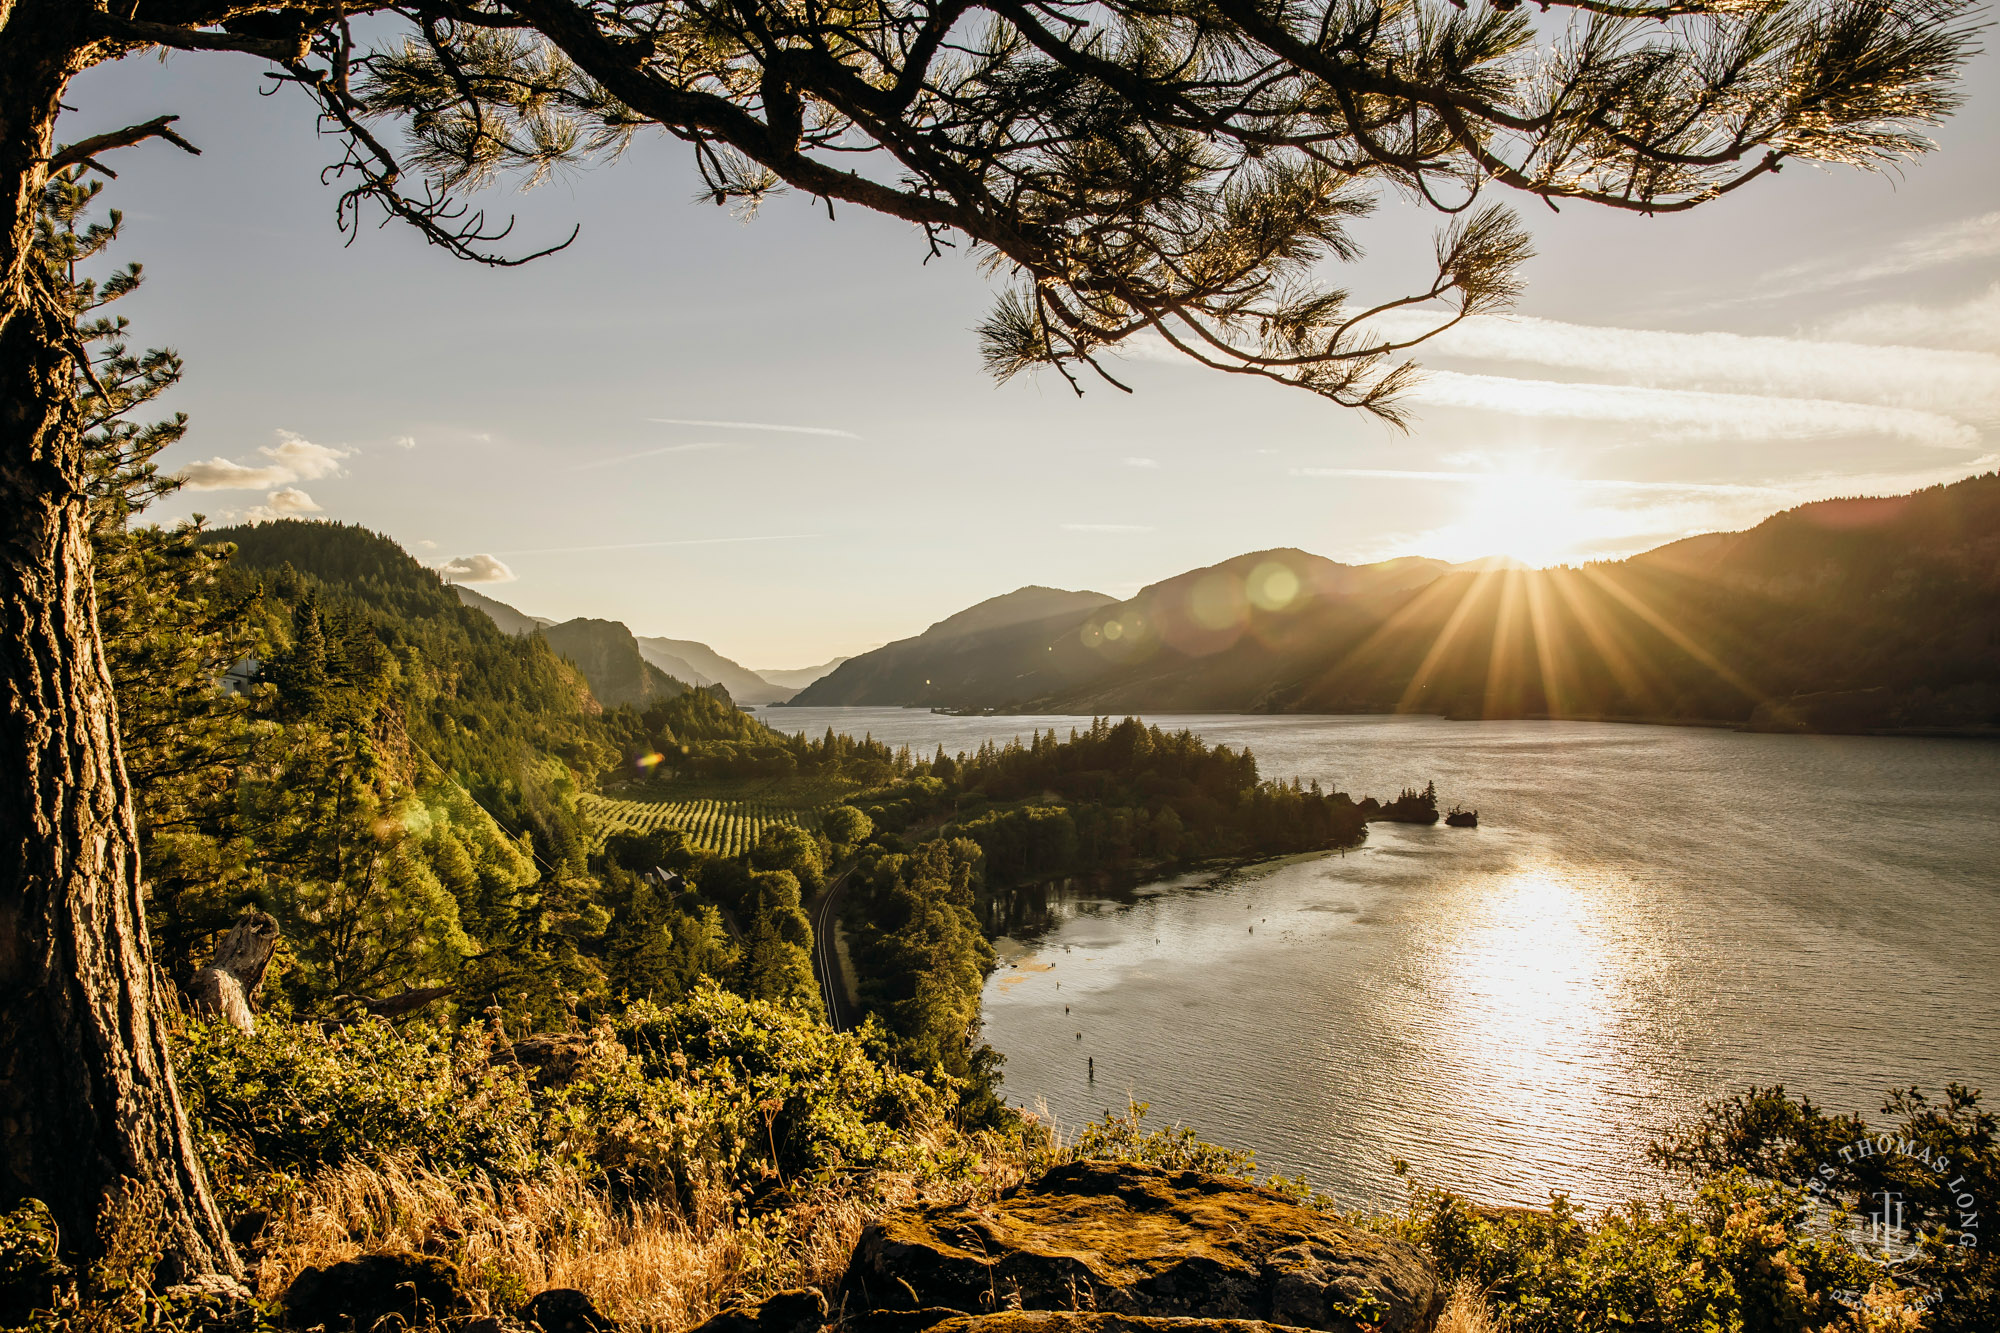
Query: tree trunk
{"x": 228, "y": 985}
{"x": 88, "y": 1109}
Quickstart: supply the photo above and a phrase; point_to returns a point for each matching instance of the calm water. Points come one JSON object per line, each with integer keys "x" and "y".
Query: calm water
{"x": 1646, "y": 917}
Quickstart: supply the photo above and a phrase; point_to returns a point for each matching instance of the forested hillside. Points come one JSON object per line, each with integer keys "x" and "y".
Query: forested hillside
{"x": 410, "y": 792}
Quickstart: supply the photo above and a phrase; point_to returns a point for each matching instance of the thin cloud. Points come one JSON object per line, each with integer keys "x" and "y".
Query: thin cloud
{"x": 1685, "y": 413}
{"x": 1952, "y": 243}
{"x": 1576, "y": 483}
{"x": 652, "y": 453}
{"x": 1142, "y": 462}
{"x": 1953, "y": 383}
{"x": 685, "y": 541}
{"x": 1106, "y": 527}
{"x": 476, "y": 569}
{"x": 756, "y": 425}
{"x": 1972, "y": 324}
{"x": 406, "y": 441}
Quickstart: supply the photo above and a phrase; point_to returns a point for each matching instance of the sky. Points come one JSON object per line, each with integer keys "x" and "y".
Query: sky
{"x": 774, "y": 435}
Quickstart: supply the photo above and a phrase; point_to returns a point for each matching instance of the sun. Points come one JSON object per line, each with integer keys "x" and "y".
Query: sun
{"x": 1535, "y": 518}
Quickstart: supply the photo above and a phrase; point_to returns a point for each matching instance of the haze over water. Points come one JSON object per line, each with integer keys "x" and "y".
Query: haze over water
{"x": 1645, "y": 918}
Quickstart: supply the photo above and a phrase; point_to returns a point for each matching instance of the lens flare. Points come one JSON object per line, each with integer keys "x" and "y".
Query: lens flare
{"x": 1273, "y": 586}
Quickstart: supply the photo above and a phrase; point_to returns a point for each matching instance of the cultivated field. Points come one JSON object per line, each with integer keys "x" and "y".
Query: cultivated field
{"x": 727, "y": 826}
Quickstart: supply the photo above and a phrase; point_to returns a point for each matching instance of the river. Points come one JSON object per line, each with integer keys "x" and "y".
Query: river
{"x": 1646, "y": 917}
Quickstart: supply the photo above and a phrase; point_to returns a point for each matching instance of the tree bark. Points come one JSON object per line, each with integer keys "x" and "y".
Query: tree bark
{"x": 89, "y": 1113}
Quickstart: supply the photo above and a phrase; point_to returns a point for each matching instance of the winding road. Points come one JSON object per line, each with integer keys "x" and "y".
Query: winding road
{"x": 826, "y": 954}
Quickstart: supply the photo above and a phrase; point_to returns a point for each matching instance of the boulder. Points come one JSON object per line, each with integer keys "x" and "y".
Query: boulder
{"x": 799, "y": 1311}
{"x": 355, "y": 1295}
{"x": 1126, "y": 1239}
{"x": 565, "y": 1310}
{"x": 1076, "y": 1321}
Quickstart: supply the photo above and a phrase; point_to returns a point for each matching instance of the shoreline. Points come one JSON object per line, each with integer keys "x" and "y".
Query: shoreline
{"x": 1973, "y": 732}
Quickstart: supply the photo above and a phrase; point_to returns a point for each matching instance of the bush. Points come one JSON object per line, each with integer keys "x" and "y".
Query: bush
{"x": 32, "y": 1278}
{"x": 760, "y": 1090}
{"x": 1737, "y": 1259}
{"x": 291, "y": 1100}
{"x": 717, "y": 1095}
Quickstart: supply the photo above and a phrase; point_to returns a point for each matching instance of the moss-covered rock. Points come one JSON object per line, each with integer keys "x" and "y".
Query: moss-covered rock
{"x": 1076, "y": 1321}
{"x": 355, "y": 1295}
{"x": 1126, "y": 1239}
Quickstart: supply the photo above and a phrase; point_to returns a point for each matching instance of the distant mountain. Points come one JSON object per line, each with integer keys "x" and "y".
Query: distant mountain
{"x": 609, "y": 657}
{"x": 1023, "y": 606}
{"x": 982, "y": 653}
{"x": 708, "y": 667}
{"x": 1031, "y": 642}
{"x": 506, "y": 617}
{"x": 684, "y": 660}
{"x": 1848, "y": 615}
{"x": 797, "y": 678}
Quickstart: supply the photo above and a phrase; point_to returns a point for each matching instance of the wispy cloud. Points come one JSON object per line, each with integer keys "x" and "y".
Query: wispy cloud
{"x": 1973, "y": 324}
{"x": 1106, "y": 527}
{"x": 1605, "y": 484}
{"x": 756, "y": 425}
{"x": 680, "y": 541}
{"x": 1950, "y": 243}
{"x": 476, "y": 569}
{"x": 695, "y": 447}
{"x": 1142, "y": 462}
{"x": 1952, "y": 383}
{"x": 1684, "y": 412}
{"x": 406, "y": 441}
{"x": 292, "y": 458}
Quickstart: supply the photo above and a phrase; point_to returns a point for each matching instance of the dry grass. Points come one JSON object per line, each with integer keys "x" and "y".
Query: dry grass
{"x": 1465, "y": 1312}
{"x": 647, "y": 1266}
{"x": 650, "y": 1267}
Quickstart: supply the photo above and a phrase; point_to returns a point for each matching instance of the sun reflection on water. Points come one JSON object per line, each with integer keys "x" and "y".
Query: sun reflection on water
{"x": 1531, "y": 997}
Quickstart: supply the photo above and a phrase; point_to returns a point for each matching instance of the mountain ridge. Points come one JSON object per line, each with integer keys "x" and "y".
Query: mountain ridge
{"x": 1869, "y": 613}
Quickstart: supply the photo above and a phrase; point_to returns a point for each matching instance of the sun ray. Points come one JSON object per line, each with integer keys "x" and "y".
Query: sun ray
{"x": 1550, "y": 646}
{"x": 1680, "y": 639}
{"x": 1477, "y": 590}
{"x": 1503, "y": 664}
{"x": 1604, "y": 638}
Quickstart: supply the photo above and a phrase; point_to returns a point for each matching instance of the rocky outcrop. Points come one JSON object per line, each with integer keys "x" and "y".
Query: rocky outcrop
{"x": 1130, "y": 1240}
{"x": 357, "y": 1294}
{"x": 799, "y": 1311}
{"x": 566, "y": 1310}
{"x": 1074, "y": 1321}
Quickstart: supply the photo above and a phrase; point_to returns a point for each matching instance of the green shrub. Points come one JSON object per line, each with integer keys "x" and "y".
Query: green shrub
{"x": 1735, "y": 1259}
{"x": 32, "y": 1279}
{"x": 714, "y": 1095}
{"x": 293, "y": 1099}
{"x": 760, "y": 1089}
